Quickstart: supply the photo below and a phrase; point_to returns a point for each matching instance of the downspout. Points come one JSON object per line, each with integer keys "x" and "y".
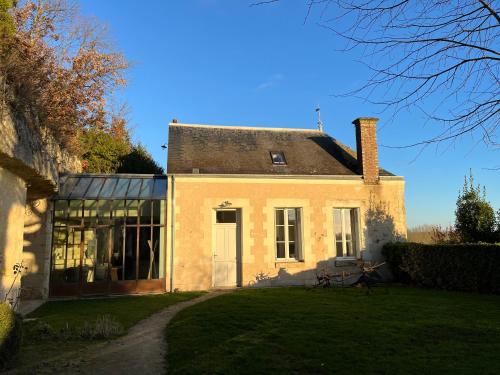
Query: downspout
{"x": 172, "y": 233}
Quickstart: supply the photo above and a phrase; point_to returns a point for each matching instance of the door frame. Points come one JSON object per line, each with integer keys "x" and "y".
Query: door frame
{"x": 239, "y": 250}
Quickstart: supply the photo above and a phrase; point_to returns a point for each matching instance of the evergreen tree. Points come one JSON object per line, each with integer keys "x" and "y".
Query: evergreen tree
{"x": 139, "y": 160}
{"x": 474, "y": 217}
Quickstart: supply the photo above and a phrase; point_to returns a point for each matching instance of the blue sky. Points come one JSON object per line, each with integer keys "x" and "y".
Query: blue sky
{"x": 223, "y": 62}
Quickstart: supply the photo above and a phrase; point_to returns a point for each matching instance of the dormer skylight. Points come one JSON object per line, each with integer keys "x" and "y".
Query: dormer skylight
{"x": 278, "y": 158}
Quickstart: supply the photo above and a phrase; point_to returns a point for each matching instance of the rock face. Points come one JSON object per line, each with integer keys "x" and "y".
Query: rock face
{"x": 30, "y": 163}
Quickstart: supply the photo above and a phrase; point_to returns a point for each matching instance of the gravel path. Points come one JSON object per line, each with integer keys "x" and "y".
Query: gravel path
{"x": 142, "y": 351}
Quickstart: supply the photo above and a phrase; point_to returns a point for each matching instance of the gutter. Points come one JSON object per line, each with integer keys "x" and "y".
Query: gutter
{"x": 172, "y": 231}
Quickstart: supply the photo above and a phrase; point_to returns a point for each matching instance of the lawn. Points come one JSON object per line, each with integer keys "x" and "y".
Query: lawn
{"x": 396, "y": 330}
{"x": 52, "y": 330}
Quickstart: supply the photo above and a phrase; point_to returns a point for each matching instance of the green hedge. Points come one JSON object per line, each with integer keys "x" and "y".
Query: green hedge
{"x": 10, "y": 334}
{"x": 467, "y": 267}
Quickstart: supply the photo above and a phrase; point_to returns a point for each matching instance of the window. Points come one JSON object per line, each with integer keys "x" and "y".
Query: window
{"x": 345, "y": 224}
{"x": 225, "y": 216}
{"x": 278, "y": 158}
{"x": 287, "y": 233}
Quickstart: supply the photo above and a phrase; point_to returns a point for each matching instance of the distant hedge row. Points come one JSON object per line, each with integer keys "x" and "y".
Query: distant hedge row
{"x": 466, "y": 267}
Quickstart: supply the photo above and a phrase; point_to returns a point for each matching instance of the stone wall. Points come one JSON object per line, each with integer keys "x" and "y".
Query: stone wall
{"x": 30, "y": 162}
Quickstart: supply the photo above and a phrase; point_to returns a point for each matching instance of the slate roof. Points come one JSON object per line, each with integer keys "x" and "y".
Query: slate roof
{"x": 246, "y": 150}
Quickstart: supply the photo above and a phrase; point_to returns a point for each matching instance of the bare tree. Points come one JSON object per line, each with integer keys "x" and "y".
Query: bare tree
{"x": 440, "y": 56}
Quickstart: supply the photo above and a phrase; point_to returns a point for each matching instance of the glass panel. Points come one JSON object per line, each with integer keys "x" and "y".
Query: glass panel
{"x": 94, "y": 188}
{"x": 89, "y": 255}
{"x": 81, "y": 187}
{"x": 160, "y": 188}
{"x": 118, "y": 211}
{"x": 146, "y": 255}
{"x": 145, "y": 211}
{"x": 72, "y": 261}
{"x": 132, "y": 212}
{"x": 108, "y": 188}
{"x": 291, "y": 249}
{"x": 58, "y": 255}
{"x": 158, "y": 246}
{"x": 121, "y": 188}
{"x": 348, "y": 248}
{"x": 147, "y": 188}
{"x": 117, "y": 253}
{"x": 291, "y": 233}
{"x": 134, "y": 188}
{"x": 67, "y": 185}
{"x": 354, "y": 231}
{"x": 280, "y": 219}
{"x": 104, "y": 240}
{"x": 90, "y": 212}
{"x": 226, "y": 216}
{"x": 104, "y": 211}
{"x": 291, "y": 216}
{"x": 278, "y": 158}
{"x": 340, "y": 251}
{"x": 158, "y": 212}
{"x": 347, "y": 224}
{"x": 337, "y": 224}
{"x": 60, "y": 212}
{"x": 75, "y": 212}
{"x": 130, "y": 253}
{"x": 280, "y": 250}
{"x": 280, "y": 233}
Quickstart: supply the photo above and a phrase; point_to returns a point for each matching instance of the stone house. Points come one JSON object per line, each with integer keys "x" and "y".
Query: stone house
{"x": 263, "y": 207}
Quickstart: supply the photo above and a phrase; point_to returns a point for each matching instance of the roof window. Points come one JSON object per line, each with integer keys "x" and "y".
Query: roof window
{"x": 278, "y": 158}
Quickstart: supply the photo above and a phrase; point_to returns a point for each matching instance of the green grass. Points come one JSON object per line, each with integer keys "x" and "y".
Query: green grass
{"x": 396, "y": 330}
{"x": 74, "y": 314}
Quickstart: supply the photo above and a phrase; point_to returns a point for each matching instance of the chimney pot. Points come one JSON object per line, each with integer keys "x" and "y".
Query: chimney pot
{"x": 174, "y": 121}
{"x": 367, "y": 149}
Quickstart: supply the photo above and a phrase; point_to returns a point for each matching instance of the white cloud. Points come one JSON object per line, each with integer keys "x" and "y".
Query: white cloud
{"x": 271, "y": 81}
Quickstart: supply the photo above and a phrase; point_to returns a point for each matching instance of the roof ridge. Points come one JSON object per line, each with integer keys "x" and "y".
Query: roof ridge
{"x": 242, "y": 127}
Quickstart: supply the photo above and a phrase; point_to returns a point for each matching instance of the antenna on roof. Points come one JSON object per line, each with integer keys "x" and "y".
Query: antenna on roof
{"x": 320, "y": 123}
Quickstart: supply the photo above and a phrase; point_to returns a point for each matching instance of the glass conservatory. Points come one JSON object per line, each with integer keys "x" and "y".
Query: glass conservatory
{"x": 108, "y": 235}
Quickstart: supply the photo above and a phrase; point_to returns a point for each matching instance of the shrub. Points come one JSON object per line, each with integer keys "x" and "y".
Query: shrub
{"x": 10, "y": 334}
{"x": 466, "y": 267}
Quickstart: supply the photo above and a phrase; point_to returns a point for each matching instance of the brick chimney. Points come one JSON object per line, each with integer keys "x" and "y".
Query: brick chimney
{"x": 367, "y": 149}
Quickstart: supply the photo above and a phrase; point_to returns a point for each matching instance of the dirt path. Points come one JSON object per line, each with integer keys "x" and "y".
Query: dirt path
{"x": 142, "y": 351}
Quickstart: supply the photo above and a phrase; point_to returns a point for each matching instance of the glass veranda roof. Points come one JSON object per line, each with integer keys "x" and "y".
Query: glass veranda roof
{"x": 112, "y": 186}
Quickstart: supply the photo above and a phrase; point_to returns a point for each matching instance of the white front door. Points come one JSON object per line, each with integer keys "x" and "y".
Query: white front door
{"x": 225, "y": 251}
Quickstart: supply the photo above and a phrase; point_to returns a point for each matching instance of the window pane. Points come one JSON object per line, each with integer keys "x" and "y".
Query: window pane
{"x": 117, "y": 253}
{"x": 354, "y": 231}
{"x": 347, "y": 224}
{"x": 134, "y": 188}
{"x": 146, "y": 256}
{"x": 118, "y": 211}
{"x": 94, "y": 188}
{"x": 160, "y": 188}
{"x": 291, "y": 233}
{"x": 121, "y": 188}
{"x": 291, "y": 250}
{"x": 226, "y": 216}
{"x": 280, "y": 233}
{"x": 291, "y": 216}
{"x": 75, "y": 212}
{"x": 348, "y": 245}
{"x": 108, "y": 188}
{"x": 340, "y": 251}
{"x": 58, "y": 254}
{"x": 337, "y": 224}
{"x": 67, "y": 185}
{"x": 280, "y": 250}
{"x": 147, "y": 188}
{"x": 130, "y": 253}
{"x": 72, "y": 266}
{"x": 89, "y": 212}
{"x": 60, "y": 212}
{"x": 158, "y": 212}
{"x": 132, "y": 211}
{"x": 81, "y": 187}
{"x": 104, "y": 211}
{"x": 145, "y": 212}
{"x": 280, "y": 219}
